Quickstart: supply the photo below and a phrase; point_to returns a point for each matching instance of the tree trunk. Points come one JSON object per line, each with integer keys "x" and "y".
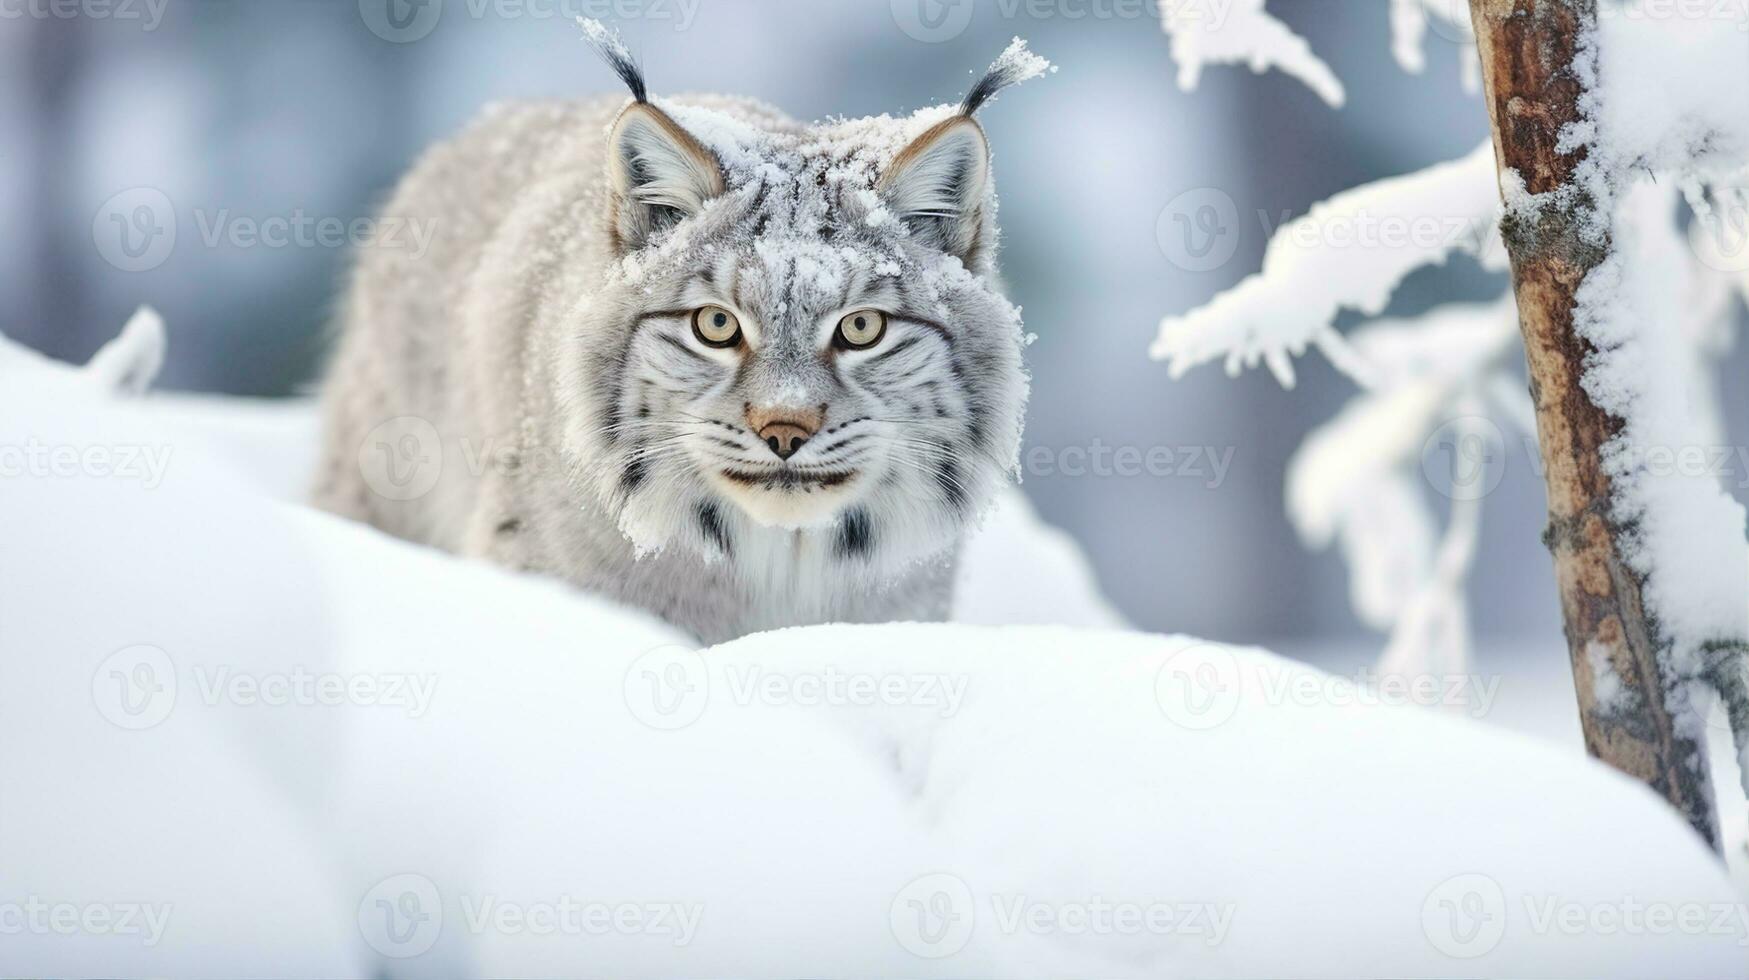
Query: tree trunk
{"x": 1528, "y": 49}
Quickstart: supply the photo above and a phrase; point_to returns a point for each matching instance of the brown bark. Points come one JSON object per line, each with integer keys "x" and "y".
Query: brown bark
{"x": 1528, "y": 49}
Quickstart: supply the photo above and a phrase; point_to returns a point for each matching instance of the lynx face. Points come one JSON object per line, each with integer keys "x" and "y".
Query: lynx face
{"x": 802, "y": 333}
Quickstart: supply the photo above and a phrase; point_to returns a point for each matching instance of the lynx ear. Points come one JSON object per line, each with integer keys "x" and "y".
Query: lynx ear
{"x": 936, "y": 186}
{"x": 660, "y": 174}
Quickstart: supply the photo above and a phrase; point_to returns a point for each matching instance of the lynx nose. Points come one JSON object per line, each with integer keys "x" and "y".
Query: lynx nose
{"x": 785, "y": 431}
{"x": 784, "y": 438}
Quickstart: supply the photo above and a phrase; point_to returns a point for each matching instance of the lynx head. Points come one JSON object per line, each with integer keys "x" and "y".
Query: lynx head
{"x": 802, "y": 337}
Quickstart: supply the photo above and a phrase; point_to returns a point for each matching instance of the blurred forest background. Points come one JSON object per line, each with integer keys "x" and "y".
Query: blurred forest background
{"x": 256, "y": 109}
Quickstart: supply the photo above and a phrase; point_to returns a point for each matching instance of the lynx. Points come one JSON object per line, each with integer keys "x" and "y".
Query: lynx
{"x": 690, "y": 354}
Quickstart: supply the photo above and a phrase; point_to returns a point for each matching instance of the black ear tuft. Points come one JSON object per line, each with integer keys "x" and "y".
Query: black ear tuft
{"x": 994, "y": 81}
{"x": 606, "y": 42}
{"x": 1016, "y": 64}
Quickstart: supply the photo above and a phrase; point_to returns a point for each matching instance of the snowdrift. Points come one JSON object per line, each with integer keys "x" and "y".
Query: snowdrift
{"x": 247, "y": 739}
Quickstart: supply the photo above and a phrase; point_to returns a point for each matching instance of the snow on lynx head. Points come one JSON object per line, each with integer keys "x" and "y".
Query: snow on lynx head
{"x": 804, "y": 327}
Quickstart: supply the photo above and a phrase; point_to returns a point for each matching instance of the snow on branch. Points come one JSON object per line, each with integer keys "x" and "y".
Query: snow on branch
{"x": 1243, "y": 33}
{"x": 1408, "y": 29}
{"x": 1451, "y": 18}
{"x": 1358, "y": 479}
{"x": 1349, "y": 252}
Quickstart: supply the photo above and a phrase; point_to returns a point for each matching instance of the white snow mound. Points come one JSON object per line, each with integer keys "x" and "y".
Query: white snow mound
{"x": 307, "y": 749}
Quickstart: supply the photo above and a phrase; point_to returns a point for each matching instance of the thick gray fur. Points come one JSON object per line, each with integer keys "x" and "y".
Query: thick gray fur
{"x": 544, "y": 366}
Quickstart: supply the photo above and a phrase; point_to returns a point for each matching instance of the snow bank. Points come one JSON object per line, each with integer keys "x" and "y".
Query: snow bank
{"x": 308, "y": 749}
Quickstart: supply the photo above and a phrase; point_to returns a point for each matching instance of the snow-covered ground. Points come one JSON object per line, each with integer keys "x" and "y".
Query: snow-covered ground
{"x": 244, "y": 738}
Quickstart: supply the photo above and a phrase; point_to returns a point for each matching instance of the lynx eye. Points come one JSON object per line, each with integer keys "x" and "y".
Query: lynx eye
{"x": 861, "y": 330}
{"x": 716, "y": 327}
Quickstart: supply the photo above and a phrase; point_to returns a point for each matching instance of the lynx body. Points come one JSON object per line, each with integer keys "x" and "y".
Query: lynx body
{"x": 738, "y": 371}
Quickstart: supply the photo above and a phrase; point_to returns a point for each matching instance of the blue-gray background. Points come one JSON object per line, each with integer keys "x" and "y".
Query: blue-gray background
{"x": 263, "y": 108}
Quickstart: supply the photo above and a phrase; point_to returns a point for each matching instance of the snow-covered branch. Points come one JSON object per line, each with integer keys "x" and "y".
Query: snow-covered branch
{"x": 1243, "y": 32}
{"x": 1409, "y": 22}
{"x": 1349, "y": 252}
{"x": 1358, "y": 479}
